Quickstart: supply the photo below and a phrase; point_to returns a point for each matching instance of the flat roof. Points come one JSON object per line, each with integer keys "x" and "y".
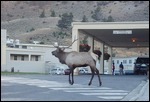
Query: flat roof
{"x": 117, "y": 34}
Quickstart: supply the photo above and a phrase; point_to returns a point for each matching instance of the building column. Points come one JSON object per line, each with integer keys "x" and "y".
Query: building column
{"x": 91, "y": 43}
{"x": 29, "y": 56}
{"x": 110, "y": 60}
{"x": 75, "y": 45}
{"x": 101, "y": 69}
{"x": 75, "y": 35}
{"x": 3, "y": 49}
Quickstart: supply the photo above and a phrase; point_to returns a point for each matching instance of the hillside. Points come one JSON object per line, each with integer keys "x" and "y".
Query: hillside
{"x": 119, "y": 10}
{"x": 22, "y": 18}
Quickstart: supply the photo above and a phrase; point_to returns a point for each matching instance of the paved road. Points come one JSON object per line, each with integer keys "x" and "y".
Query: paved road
{"x": 56, "y": 88}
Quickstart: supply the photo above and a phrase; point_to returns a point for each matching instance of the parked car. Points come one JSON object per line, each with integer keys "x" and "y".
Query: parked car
{"x": 105, "y": 71}
{"x": 83, "y": 70}
{"x": 67, "y": 71}
{"x": 57, "y": 70}
{"x": 141, "y": 65}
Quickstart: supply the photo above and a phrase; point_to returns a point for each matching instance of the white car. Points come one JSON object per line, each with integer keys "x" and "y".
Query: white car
{"x": 57, "y": 70}
{"x": 83, "y": 70}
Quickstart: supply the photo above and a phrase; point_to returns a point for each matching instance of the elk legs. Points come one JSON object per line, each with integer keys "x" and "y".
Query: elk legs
{"x": 91, "y": 77}
{"x": 97, "y": 72}
{"x": 71, "y": 72}
{"x": 93, "y": 73}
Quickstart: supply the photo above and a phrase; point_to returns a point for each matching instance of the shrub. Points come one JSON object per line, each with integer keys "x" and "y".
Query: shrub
{"x": 53, "y": 13}
{"x": 32, "y": 29}
{"x": 42, "y": 15}
{"x": 66, "y": 20}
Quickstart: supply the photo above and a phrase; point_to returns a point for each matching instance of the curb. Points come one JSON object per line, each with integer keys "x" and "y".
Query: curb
{"x": 137, "y": 92}
{"x": 140, "y": 93}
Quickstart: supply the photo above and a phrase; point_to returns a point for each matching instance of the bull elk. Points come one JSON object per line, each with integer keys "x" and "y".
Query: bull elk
{"x": 75, "y": 59}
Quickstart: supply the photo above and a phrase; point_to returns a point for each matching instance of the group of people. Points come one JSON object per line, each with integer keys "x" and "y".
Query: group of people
{"x": 121, "y": 67}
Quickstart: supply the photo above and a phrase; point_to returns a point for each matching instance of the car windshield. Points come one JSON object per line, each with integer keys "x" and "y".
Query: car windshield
{"x": 142, "y": 60}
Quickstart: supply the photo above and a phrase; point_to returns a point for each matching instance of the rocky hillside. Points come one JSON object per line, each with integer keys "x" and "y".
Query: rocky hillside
{"x": 23, "y": 20}
{"x": 119, "y": 10}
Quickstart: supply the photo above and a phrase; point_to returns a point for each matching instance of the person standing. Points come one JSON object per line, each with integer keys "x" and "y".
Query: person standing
{"x": 113, "y": 69}
{"x": 121, "y": 68}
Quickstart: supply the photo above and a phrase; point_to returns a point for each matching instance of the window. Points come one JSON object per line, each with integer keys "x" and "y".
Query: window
{"x": 117, "y": 61}
{"x": 124, "y": 61}
{"x": 22, "y": 58}
{"x": 16, "y": 46}
{"x": 15, "y": 57}
{"x": 24, "y": 47}
{"x": 35, "y": 57}
{"x": 130, "y": 61}
{"x": 19, "y": 57}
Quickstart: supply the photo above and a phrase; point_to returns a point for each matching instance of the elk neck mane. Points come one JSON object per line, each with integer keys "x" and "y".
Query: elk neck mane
{"x": 62, "y": 57}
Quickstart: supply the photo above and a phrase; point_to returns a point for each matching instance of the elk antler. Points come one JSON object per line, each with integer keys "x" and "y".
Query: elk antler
{"x": 70, "y": 44}
{"x": 56, "y": 44}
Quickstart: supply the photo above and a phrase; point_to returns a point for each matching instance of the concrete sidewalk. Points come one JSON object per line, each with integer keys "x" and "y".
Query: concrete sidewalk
{"x": 144, "y": 94}
{"x": 140, "y": 93}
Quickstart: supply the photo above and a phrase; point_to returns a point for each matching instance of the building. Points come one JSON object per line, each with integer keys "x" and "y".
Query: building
{"x": 111, "y": 34}
{"x": 26, "y": 57}
{"x": 128, "y": 62}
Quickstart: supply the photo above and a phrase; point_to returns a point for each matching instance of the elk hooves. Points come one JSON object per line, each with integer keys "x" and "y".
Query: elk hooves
{"x": 71, "y": 83}
{"x": 89, "y": 83}
{"x": 100, "y": 84}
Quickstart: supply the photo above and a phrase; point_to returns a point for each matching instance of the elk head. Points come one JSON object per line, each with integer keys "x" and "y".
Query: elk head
{"x": 59, "y": 49}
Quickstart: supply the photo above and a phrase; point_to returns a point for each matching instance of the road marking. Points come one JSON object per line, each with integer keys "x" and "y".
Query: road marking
{"x": 104, "y": 93}
{"x": 100, "y": 92}
{"x": 14, "y": 99}
{"x": 111, "y": 97}
{"x": 35, "y": 82}
{"x": 76, "y": 88}
{"x": 95, "y": 91}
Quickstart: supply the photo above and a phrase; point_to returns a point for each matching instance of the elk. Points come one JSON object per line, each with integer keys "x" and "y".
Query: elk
{"x": 75, "y": 59}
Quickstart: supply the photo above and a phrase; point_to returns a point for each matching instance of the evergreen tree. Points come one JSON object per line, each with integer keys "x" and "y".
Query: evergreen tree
{"x": 42, "y": 15}
{"x": 84, "y": 19}
{"x": 97, "y": 14}
{"x": 66, "y": 20}
{"x": 110, "y": 19}
{"x": 53, "y": 13}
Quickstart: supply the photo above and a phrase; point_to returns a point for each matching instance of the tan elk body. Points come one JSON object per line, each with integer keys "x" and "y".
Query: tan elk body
{"x": 75, "y": 59}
